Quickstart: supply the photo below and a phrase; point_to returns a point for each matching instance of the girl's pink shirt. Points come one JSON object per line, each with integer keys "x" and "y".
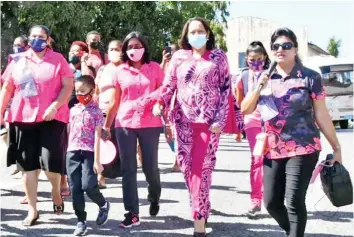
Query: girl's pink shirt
{"x": 135, "y": 85}
{"x": 48, "y": 74}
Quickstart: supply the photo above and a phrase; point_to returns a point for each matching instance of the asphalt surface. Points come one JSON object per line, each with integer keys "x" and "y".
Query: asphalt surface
{"x": 229, "y": 197}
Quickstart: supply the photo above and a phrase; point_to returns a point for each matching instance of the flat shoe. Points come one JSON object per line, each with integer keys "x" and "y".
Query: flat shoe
{"x": 30, "y": 222}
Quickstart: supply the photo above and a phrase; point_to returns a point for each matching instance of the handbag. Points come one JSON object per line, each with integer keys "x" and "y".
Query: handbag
{"x": 336, "y": 184}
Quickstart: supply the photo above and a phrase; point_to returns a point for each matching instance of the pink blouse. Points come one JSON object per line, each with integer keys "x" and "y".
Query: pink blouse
{"x": 135, "y": 85}
{"x": 47, "y": 74}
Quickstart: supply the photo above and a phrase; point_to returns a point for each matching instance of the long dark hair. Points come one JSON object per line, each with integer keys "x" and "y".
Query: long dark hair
{"x": 258, "y": 47}
{"x": 138, "y": 36}
{"x": 183, "y": 42}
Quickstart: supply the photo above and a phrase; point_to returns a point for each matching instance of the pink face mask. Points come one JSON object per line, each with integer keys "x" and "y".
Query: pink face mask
{"x": 135, "y": 54}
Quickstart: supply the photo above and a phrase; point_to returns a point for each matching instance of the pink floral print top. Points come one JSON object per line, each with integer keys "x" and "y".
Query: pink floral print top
{"x": 293, "y": 132}
{"x": 83, "y": 121}
{"x": 202, "y": 88}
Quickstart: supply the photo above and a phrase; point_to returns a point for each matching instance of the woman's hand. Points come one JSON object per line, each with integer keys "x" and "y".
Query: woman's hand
{"x": 168, "y": 134}
{"x": 215, "y": 129}
{"x": 49, "y": 113}
{"x": 263, "y": 80}
{"x": 157, "y": 109}
{"x": 337, "y": 156}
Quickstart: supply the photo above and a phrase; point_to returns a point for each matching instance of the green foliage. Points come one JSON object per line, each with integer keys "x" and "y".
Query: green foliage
{"x": 333, "y": 46}
{"x": 160, "y": 22}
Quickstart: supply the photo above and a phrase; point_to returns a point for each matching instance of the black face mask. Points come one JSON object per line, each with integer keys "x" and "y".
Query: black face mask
{"x": 74, "y": 59}
{"x": 95, "y": 44}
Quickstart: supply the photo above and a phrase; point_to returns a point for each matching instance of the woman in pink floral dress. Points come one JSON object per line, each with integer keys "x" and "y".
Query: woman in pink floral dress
{"x": 200, "y": 75}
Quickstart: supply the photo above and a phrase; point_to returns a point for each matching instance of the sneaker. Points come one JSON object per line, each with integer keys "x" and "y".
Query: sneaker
{"x": 154, "y": 208}
{"x": 102, "y": 217}
{"x": 254, "y": 210}
{"x": 81, "y": 228}
{"x": 130, "y": 220}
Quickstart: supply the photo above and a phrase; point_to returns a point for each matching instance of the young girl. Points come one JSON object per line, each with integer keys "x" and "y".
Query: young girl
{"x": 257, "y": 60}
{"x": 82, "y": 158}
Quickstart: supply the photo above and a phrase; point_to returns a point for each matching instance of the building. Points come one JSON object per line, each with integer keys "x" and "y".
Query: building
{"x": 243, "y": 30}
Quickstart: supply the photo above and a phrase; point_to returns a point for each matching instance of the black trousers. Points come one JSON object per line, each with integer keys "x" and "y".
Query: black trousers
{"x": 127, "y": 143}
{"x": 288, "y": 179}
{"x": 82, "y": 178}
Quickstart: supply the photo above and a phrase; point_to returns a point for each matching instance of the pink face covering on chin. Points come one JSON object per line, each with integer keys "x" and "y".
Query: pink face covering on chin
{"x": 136, "y": 54}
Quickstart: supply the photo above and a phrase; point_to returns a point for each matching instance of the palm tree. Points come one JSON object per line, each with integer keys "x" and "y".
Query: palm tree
{"x": 333, "y": 46}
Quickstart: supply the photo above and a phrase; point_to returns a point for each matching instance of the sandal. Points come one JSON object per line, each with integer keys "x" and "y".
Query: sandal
{"x": 65, "y": 192}
{"x": 101, "y": 186}
{"x": 30, "y": 222}
{"x": 58, "y": 209}
{"x": 24, "y": 200}
{"x": 15, "y": 172}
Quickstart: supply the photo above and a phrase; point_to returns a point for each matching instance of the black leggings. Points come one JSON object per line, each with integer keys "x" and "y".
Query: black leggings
{"x": 288, "y": 178}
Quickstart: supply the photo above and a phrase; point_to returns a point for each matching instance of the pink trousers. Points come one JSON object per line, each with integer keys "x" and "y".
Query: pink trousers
{"x": 256, "y": 173}
{"x": 196, "y": 148}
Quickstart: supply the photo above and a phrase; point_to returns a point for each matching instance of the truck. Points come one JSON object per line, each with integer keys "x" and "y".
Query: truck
{"x": 337, "y": 77}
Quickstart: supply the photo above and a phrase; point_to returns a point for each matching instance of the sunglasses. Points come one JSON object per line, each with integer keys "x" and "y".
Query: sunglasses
{"x": 285, "y": 46}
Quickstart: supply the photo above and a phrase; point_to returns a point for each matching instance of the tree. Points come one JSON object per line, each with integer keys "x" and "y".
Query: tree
{"x": 333, "y": 46}
{"x": 159, "y": 22}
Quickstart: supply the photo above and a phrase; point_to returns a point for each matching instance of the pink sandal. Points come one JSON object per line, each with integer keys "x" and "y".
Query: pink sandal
{"x": 65, "y": 192}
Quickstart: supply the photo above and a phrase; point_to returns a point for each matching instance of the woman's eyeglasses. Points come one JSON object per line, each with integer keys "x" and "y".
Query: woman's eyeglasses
{"x": 284, "y": 46}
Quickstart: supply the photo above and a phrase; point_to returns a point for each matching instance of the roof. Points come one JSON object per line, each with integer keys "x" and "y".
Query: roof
{"x": 316, "y": 48}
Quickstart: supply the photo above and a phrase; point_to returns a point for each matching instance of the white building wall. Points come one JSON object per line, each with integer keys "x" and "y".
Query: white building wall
{"x": 243, "y": 30}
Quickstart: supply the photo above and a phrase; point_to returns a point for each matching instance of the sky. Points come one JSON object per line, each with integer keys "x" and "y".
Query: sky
{"x": 323, "y": 19}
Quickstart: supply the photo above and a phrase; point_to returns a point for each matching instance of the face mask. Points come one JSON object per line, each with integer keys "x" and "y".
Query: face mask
{"x": 18, "y": 49}
{"x": 84, "y": 99}
{"x": 197, "y": 41}
{"x": 114, "y": 56}
{"x": 94, "y": 44}
{"x": 256, "y": 65}
{"x": 136, "y": 54}
{"x": 38, "y": 45}
{"x": 73, "y": 59}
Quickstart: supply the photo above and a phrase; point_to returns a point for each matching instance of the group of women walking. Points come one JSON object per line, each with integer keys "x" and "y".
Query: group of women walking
{"x": 284, "y": 112}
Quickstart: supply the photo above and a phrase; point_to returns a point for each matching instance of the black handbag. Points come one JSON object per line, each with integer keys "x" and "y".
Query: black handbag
{"x": 337, "y": 184}
{"x": 112, "y": 170}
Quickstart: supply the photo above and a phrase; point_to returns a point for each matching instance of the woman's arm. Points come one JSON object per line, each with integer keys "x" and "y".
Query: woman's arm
{"x": 112, "y": 107}
{"x": 249, "y": 103}
{"x": 325, "y": 123}
{"x": 6, "y": 94}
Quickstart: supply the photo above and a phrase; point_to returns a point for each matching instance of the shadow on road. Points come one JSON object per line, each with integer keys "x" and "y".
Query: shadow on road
{"x": 148, "y": 227}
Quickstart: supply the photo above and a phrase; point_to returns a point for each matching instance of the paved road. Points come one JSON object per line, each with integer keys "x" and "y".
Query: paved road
{"x": 229, "y": 195}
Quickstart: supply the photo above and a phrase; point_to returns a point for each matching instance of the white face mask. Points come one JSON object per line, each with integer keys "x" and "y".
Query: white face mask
{"x": 114, "y": 56}
{"x": 135, "y": 54}
{"x": 197, "y": 41}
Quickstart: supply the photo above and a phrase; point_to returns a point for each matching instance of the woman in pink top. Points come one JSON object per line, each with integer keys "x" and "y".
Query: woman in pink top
{"x": 104, "y": 83}
{"x": 40, "y": 84}
{"x": 201, "y": 79}
{"x": 135, "y": 79}
{"x": 258, "y": 61}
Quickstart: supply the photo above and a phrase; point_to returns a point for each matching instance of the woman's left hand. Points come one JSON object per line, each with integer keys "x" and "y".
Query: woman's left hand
{"x": 337, "y": 157}
{"x": 215, "y": 129}
{"x": 168, "y": 134}
{"x": 49, "y": 114}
